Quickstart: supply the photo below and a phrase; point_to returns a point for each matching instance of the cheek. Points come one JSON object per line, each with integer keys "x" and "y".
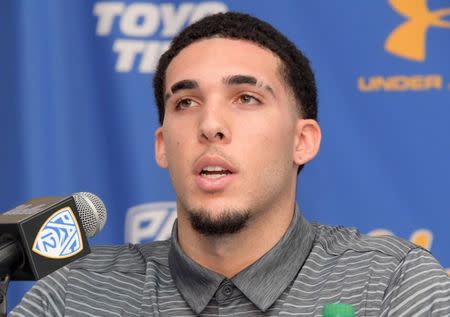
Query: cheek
{"x": 279, "y": 149}
{"x": 272, "y": 137}
{"x": 178, "y": 155}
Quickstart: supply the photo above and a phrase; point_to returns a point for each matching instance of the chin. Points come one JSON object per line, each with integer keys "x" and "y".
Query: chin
{"x": 212, "y": 222}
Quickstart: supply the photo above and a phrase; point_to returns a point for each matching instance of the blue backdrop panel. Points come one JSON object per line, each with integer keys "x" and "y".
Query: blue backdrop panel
{"x": 77, "y": 110}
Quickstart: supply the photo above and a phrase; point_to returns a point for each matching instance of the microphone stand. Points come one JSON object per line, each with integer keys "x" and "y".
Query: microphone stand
{"x": 4, "y": 282}
{"x": 11, "y": 258}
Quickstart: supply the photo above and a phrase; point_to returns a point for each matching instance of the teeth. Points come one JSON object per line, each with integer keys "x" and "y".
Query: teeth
{"x": 214, "y": 172}
{"x": 213, "y": 169}
{"x": 213, "y": 175}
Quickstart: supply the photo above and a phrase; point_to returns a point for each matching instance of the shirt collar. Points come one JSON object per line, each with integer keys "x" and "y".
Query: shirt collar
{"x": 198, "y": 285}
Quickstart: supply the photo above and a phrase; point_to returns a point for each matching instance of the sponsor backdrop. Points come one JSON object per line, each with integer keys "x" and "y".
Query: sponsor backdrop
{"x": 77, "y": 111}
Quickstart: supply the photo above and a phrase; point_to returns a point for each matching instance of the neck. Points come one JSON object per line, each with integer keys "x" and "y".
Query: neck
{"x": 231, "y": 253}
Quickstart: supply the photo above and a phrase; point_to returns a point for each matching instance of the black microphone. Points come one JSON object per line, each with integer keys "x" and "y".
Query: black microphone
{"x": 44, "y": 234}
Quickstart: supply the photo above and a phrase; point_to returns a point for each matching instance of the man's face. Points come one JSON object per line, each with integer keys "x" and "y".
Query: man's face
{"x": 230, "y": 130}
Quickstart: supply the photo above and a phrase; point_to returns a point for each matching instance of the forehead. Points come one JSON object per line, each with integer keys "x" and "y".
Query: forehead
{"x": 217, "y": 57}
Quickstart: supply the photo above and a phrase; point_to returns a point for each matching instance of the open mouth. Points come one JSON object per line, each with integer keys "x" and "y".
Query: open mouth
{"x": 214, "y": 172}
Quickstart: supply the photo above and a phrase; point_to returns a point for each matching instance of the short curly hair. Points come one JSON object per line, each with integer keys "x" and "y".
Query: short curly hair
{"x": 232, "y": 25}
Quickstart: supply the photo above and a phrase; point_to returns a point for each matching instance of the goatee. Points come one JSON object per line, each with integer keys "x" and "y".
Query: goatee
{"x": 228, "y": 222}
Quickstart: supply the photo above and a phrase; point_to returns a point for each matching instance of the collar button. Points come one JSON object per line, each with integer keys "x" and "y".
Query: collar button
{"x": 227, "y": 290}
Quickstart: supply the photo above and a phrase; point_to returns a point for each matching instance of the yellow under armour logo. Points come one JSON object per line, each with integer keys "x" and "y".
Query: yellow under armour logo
{"x": 408, "y": 39}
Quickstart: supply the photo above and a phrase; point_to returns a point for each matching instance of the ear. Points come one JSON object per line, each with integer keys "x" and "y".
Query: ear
{"x": 160, "y": 149}
{"x": 307, "y": 141}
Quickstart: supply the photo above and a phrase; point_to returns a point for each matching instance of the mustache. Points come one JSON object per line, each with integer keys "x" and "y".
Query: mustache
{"x": 214, "y": 151}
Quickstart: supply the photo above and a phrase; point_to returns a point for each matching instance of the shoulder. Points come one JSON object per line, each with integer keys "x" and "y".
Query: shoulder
{"x": 338, "y": 240}
{"x": 157, "y": 251}
{"x": 131, "y": 258}
{"x": 419, "y": 286}
{"x": 408, "y": 278}
{"x": 103, "y": 270}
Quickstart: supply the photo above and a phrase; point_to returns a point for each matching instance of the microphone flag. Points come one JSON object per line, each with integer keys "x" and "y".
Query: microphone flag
{"x": 50, "y": 232}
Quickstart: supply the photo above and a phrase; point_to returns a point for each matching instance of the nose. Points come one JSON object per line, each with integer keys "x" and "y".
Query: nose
{"x": 213, "y": 126}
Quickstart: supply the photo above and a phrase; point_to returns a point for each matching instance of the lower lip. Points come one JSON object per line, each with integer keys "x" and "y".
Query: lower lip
{"x": 213, "y": 184}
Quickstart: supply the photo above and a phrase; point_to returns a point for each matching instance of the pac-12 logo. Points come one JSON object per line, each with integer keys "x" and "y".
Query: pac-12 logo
{"x": 149, "y": 222}
{"x": 59, "y": 237}
{"x": 409, "y": 39}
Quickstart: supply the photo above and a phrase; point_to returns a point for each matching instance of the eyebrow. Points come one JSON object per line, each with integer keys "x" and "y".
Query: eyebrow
{"x": 183, "y": 84}
{"x": 230, "y": 80}
{"x": 246, "y": 79}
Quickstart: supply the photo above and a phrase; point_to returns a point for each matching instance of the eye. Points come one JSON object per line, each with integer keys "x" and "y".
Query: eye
{"x": 185, "y": 103}
{"x": 248, "y": 100}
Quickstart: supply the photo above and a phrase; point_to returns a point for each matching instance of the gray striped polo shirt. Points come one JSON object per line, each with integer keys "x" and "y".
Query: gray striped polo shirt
{"x": 311, "y": 266}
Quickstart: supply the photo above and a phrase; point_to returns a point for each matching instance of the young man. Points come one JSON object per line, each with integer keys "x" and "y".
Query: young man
{"x": 237, "y": 106}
